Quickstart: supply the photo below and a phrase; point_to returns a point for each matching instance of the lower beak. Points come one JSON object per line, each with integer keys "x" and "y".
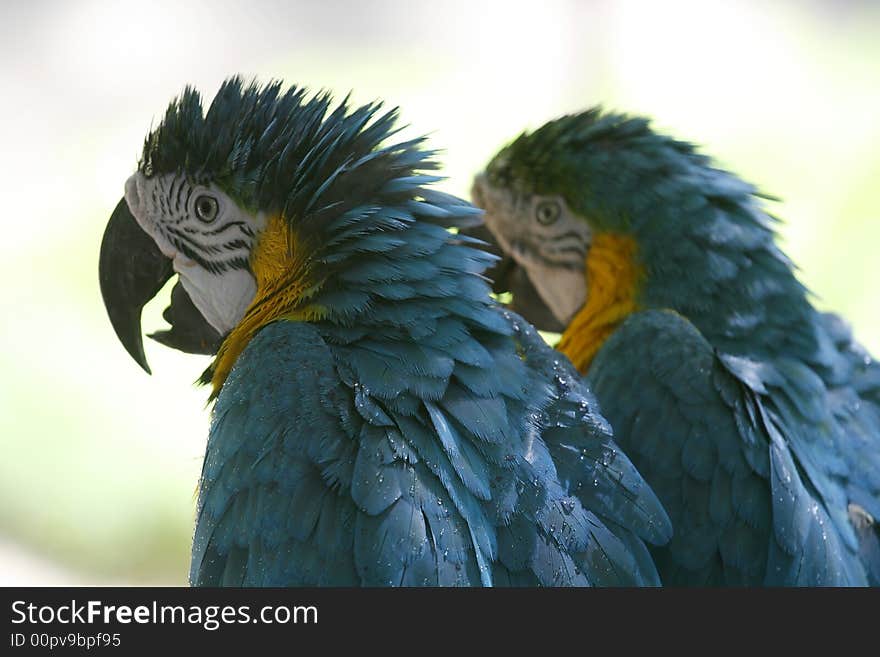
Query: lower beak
{"x": 131, "y": 271}
{"x": 190, "y": 331}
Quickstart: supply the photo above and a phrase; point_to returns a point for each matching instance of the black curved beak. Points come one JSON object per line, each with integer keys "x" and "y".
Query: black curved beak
{"x": 190, "y": 331}
{"x": 131, "y": 271}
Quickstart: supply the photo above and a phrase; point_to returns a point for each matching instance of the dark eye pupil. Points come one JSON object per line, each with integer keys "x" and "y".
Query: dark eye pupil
{"x": 547, "y": 213}
{"x": 206, "y": 208}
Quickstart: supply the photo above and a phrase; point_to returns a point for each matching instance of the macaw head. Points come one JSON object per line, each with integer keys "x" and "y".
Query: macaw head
{"x": 259, "y": 205}
{"x": 549, "y": 192}
{"x": 608, "y": 216}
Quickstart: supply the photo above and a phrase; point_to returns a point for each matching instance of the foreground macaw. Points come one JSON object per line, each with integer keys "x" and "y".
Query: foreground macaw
{"x": 379, "y": 420}
{"x": 755, "y": 418}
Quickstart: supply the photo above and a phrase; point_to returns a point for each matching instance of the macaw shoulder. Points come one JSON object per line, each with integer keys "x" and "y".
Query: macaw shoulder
{"x": 276, "y": 408}
{"x": 281, "y": 353}
{"x": 346, "y": 487}
{"x": 286, "y": 379}
{"x": 757, "y": 437}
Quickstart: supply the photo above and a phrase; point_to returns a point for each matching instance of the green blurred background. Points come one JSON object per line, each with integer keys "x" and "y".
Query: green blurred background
{"x": 100, "y": 462}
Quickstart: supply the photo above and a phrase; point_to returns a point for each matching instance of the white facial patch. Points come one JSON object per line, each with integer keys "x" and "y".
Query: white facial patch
{"x": 208, "y": 238}
{"x": 544, "y": 237}
{"x": 221, "y": 299}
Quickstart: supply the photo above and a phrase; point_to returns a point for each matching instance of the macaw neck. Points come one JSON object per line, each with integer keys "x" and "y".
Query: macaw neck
{"x": 283, "y": 287}
{"x": 726, "y": 276}
{"x": 614, "y": 276}
{"x": 389, "y": 281}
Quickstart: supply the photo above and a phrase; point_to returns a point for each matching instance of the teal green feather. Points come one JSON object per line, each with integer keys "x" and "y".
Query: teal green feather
{"x": 755, "y": 418}
{"x": 418, "y": 434}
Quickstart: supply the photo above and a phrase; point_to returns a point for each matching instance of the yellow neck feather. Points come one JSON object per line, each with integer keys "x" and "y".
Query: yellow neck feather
{"x": 283, "y": 283}
{"x": 613, "y": 278}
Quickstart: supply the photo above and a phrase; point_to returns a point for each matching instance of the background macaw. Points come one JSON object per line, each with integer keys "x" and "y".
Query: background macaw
{"x": 379, "y": 420}
{"x": 754, "y": 417}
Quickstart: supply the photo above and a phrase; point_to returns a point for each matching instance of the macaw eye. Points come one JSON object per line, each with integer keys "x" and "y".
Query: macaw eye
{"x": 547, "y": 212}
{"x": 206, "y": 208}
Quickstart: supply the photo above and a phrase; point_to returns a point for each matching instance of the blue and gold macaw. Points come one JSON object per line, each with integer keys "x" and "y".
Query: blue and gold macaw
{"x": 754, "y": 417}
{"x": 378, "y": 418}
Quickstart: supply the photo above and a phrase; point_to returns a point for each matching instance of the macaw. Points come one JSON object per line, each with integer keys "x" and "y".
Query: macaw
{"x": 754, "y": 417}
{"x": 378, "y": 419}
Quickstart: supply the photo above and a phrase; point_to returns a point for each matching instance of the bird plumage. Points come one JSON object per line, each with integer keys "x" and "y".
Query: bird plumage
{"x": 753, "y": 416}
{"x": 379, "y": 419}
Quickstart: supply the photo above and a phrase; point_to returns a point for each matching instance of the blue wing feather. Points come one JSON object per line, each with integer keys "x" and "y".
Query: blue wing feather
{"x": 739, "y": 452}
